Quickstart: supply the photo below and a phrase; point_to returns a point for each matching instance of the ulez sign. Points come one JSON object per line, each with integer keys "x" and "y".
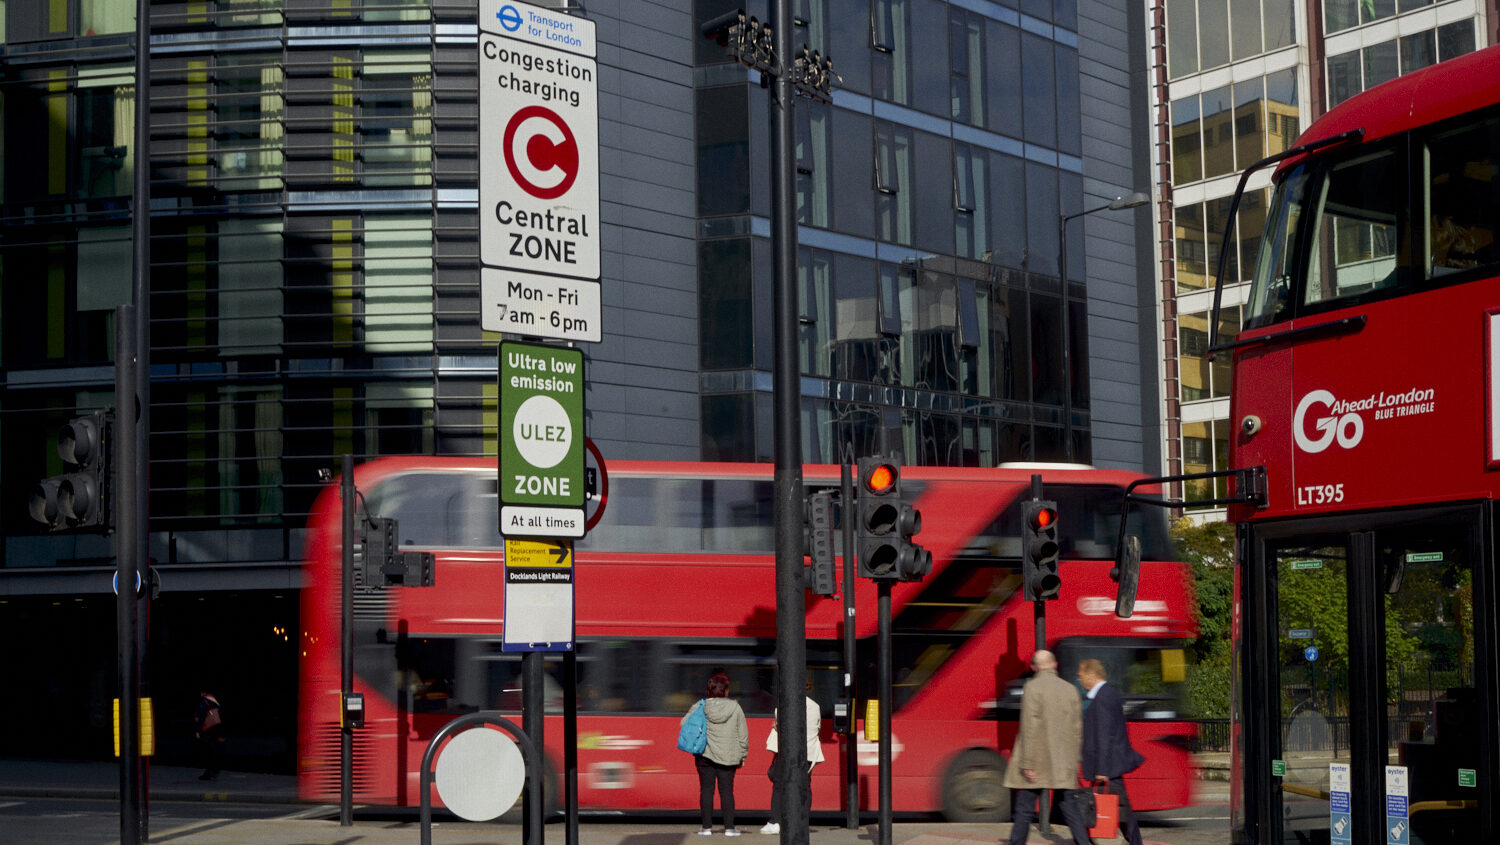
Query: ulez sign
{"x": 541, "y": 441}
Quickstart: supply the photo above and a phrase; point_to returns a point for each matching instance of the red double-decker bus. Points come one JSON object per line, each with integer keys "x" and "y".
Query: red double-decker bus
{"x": 1366, "y": 417}
{"x": 677, "y": 580}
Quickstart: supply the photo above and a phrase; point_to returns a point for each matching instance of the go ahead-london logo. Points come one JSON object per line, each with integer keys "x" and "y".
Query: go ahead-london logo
{"x": 1323, "y": 419}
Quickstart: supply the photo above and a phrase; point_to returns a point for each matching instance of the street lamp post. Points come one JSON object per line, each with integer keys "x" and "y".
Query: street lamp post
{"x": 1135, "y": 200}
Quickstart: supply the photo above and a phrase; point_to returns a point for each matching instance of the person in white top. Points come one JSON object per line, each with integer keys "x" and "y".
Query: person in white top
{"x": 814, "y": 757}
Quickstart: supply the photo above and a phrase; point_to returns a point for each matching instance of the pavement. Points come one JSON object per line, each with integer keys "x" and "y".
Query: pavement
{"x": 318, "y": 824}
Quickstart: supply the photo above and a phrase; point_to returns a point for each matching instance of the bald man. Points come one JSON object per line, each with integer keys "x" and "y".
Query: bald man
{"x": 1046, "y": 753}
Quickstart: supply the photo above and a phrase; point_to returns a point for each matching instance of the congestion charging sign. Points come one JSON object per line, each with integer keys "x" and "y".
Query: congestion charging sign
{"x": 538, "y": 172}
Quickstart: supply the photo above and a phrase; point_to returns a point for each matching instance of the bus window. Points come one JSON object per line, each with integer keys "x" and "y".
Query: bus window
{"x": 1463, "y": 197}
{"x": 1089, "y": 516}
{"x": 1150, "y": 674}
{"x": 1270, "y": 292}
{"x": 1354, "y": 242}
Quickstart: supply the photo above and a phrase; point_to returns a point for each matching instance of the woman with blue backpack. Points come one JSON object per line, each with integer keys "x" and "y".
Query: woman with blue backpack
{"x": 714, "y": 732}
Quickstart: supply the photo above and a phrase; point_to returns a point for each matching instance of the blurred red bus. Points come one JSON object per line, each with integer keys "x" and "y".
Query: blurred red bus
{"x": 677, "y": 580}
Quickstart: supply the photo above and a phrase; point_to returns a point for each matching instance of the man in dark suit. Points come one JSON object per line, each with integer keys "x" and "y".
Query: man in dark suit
{"x": 1107, "y": 754}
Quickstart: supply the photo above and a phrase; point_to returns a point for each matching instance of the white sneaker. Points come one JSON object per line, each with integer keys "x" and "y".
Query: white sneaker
{"x": 733, "y": 831}
{"x": 771, "y": 829}
{"x": 707, "y": 831}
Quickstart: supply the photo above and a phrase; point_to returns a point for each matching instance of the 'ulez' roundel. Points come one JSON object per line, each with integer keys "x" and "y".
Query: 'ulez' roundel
{"x": 540, "y": 152}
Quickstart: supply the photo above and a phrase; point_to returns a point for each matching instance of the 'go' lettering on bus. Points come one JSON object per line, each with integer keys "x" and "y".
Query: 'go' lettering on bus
{"x": 1348, "y": 428}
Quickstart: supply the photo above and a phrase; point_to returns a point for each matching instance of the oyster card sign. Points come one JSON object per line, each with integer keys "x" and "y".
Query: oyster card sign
{"x": 538, "y": 172}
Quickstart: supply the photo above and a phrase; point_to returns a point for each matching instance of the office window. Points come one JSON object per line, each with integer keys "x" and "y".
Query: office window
{"x": 1187, "y": 141}
{"x": 396, "y": 118}
{"x": 725, "y": 314}
{"x": 1182, "y": 38}
{"x": 1038, "y": 90}
{"x": 104, "y": 133}
{"x": 250, "y": 280}
{"x": 933, "y": 183}
{"x": 853, "y": 213}
{"x": 250, "y": 127}
{"x": 1192, "y": 248}
{"x": 1002, "y": 70}
{"x": 1245, "y": 31}
{"x": 1418, "y": 51}
{"x": 814, "y": 168}
{"x": 1282, "y": 121}
{"x": 861, "y": 350}
{"x": 1381, "y": 64}
{"x": 1344, "y": 77}
{"x": 1213, "y": 33}
{"x": 1008, "y": 220}
{"x": 398, "y": 284}
{"x": 971, "y": 200}
{"x": 723, "y": 131}
{"x": 892, "y": 42}
{"x": 966, "y": 66}
{"x": 815, "y": 318}
{"x": 1455, "y": 39}
{"x": 1339, "y": 15}
{"x": 1249, "y": 123}
{"x": 894, "y": 190}
{"x": 249, "y": 452}
{"x": 1218, "y": 132}
{"x": 1042, "y": 193}
{"x": 928, "y": 61}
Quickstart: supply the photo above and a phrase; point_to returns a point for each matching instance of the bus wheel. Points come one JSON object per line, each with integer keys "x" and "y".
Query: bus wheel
{"x": 972, "y": 788}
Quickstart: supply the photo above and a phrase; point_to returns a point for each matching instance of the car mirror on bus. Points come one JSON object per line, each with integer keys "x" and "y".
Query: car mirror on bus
{"x": 1127, "y": 575}
{"x": 1395, "y": 569}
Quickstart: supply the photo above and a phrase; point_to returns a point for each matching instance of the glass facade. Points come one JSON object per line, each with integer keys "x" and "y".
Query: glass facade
{"x": 315, "y": 277}
{"x": 928, "y": 272}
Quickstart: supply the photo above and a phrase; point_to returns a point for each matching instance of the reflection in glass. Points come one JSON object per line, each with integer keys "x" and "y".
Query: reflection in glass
{"x": 1218, "y": 132}
{"x": 1187, "y": 142}
{"x": 1182, "y": 38}
{"x": 1192, "y": 356}
{"x": 1213, "y": 33}
{"x": 1192, "y": 269}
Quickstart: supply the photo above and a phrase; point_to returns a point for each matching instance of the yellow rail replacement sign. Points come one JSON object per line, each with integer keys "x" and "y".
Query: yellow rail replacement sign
{"x": 539, "y": 554}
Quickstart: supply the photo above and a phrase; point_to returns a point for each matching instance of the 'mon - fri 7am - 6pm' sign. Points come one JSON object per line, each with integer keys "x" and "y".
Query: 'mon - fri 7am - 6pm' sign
{"x": 541, "y": 441}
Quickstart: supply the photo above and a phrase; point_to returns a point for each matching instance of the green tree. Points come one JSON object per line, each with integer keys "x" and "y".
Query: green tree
{"x": 1208, "y": 548}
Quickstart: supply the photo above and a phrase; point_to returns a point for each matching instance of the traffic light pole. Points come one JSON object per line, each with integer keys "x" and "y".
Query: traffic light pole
{"x": 1039, "y": 626}
{"x": 884, "y": 638}
{"x": 851, "y": 746}
{"x": 126, "y": 617}
{"x": 346, "y": 645}
{"x": 137, "y": 473}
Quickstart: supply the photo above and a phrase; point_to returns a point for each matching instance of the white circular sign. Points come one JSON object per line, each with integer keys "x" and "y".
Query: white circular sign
{"x": 479, "y": 774}
{"x": 542, "y": 432}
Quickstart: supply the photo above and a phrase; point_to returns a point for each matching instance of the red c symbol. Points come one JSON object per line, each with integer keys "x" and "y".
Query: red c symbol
{"x": 548, "y": 165}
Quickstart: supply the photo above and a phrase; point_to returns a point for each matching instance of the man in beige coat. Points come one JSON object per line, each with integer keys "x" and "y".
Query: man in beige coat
{"x": 1046, "y": 753}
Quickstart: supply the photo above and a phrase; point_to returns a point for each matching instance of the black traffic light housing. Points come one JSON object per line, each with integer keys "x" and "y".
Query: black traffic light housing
{"x": 385, "y": 565}
{"x": 877, "y": 508}
{"x": 822, "y": 578}
{"x": 1039, "y": 550}
{"x": 885, "y": 523}
{"x": 79, "y": 499}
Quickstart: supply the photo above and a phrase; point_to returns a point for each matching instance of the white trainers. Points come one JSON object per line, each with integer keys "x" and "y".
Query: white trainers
{"x": 707, "y": 831}
{"x": 732, "y": 831}
{"x": 771, "y": 829}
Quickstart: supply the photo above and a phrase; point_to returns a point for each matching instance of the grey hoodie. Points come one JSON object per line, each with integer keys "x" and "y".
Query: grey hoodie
{"x": 728, "y": 736}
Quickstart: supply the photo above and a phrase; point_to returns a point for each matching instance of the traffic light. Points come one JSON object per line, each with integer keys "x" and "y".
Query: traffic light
{"x": 822, "y": 578}
{"x": 384, "y": 564}
{"x": 877, "y": 513}
{"x": 381, "y": 556}
{"x": 1039, "y": 550}
{"x": 912, "y": 561}
{"x": 79, "y": 498}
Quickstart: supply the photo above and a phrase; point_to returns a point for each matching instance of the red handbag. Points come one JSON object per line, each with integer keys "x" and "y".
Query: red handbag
{"x": 1107, "y": 813}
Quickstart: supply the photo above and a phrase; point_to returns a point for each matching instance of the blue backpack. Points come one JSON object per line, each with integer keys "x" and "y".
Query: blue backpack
{"x": 693, "y": 737}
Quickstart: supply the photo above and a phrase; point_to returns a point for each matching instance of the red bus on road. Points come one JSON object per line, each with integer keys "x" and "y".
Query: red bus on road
{"x": 1367, "y": 391}
{"x": 677, "y": 581}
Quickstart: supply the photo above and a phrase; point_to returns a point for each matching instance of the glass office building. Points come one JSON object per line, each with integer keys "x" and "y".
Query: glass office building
{"x": 315, "y": 271}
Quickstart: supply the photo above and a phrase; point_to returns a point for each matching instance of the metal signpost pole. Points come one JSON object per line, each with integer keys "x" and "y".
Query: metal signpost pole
{"x": 124, "y": 508}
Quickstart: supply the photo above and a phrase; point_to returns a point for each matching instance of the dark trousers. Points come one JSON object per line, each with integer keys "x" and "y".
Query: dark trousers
{"x": 1023, "y": 813}
{"x": 1128, "y": 826}
{"x": 776, "y": 791}
{"x": 710, "y": 773}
